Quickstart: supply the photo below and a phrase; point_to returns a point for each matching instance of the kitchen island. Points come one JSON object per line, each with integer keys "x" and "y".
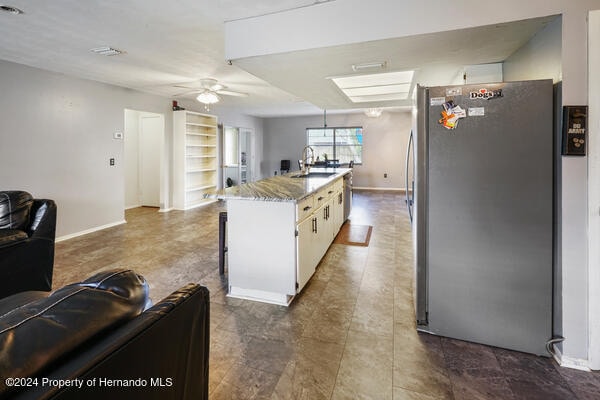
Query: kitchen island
{"x": 278, "y": 229}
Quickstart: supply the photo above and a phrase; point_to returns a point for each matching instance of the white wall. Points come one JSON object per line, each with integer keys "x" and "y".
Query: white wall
{"x": 384, "y": 145}
{"x": 540, "y": 58}
{"x": 131, "y": 144}
{"x": 594, "y": 189}
{"x": 57, "y": 139}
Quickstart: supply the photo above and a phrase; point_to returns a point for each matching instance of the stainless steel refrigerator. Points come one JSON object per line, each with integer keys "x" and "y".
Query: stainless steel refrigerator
{"x": 483, "y": 214}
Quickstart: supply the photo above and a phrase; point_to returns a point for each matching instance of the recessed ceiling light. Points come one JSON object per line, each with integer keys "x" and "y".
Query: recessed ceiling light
{"x": 11, "y": 10}
{"x": 106, "y": 51}
{"x": 373, "y": 112}
{"x": 376, "y": 87}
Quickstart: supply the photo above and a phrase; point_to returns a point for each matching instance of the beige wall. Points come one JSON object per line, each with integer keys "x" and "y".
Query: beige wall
{"x": 384, "y": 145}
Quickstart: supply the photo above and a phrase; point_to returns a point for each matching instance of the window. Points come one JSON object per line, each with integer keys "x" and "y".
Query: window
{"x": 342, "y": 144}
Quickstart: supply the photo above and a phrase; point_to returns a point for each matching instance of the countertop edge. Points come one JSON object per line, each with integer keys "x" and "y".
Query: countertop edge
{"x": 281, "y": 188}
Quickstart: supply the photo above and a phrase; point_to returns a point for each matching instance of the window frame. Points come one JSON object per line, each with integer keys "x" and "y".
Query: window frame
{"x": 334, "y": 141}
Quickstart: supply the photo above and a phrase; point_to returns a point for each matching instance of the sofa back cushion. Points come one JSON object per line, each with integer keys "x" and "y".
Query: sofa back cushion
{"x": 15, "y": 207}
{"x": 41, "y": 332}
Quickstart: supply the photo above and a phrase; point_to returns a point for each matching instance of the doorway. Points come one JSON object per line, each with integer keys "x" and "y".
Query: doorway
{"x": 144, "y": 162}
{"x": 238, "y": 156}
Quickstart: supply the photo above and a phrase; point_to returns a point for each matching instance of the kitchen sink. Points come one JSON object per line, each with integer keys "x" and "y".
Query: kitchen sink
{"x": 314, "y": 175}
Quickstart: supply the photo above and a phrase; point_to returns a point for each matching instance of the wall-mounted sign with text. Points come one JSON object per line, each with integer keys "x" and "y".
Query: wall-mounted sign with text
{"x": 574, "y": 130}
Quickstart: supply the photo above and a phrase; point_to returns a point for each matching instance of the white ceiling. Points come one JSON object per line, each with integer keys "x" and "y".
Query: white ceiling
{"x": 167, "y": 43}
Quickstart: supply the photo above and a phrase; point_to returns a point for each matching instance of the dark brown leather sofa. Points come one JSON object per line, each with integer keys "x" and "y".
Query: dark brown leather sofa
{"x": 27, "y": 234}
{"x": 98, "y": 340}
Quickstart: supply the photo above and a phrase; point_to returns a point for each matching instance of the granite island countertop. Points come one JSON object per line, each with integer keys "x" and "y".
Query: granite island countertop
{"x": 281, "y": 187}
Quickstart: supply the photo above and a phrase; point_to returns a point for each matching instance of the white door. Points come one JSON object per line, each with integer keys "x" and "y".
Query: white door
{"x": 150, "y": 148}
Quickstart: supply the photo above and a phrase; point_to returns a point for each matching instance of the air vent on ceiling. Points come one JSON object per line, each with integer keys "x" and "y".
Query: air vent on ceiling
{"x": 10, "y": 10}
{"x": 106, "y": 51}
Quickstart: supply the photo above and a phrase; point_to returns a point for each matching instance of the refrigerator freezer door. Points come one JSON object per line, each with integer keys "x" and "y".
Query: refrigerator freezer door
{"x": 489, "y": 217}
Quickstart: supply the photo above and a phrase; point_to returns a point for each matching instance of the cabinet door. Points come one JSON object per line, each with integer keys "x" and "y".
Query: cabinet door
{"x": 338, "y": 213}
{"x": 324, "y": 229}
{"x": 307, "y": 230}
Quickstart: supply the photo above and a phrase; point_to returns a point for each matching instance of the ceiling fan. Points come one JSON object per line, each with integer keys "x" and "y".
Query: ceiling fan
{"x": 209, "y": 90}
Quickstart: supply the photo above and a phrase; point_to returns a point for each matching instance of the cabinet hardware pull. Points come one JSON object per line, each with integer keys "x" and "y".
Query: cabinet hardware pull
{"x": 331, "y": 191}
{"x": 320, "y": 198}
{"x": 306, "y": 208}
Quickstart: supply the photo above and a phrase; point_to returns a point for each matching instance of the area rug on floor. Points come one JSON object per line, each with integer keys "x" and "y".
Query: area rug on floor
{"x": 354, "y": 235}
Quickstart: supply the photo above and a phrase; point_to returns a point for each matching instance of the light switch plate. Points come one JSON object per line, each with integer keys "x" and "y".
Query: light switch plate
{"x": 118, "y": 135}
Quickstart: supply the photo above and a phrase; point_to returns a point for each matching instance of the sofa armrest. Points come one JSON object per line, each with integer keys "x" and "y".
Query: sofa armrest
{"x": 43, "y": 219}
{"x": 167, "y": 347}
{"x": 41, "y": 333}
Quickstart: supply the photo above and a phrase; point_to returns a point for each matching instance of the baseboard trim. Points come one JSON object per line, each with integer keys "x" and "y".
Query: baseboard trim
{"x": 403, "y": 190}
{"x": 130, "y": 207}
{"x": 91, "y": 230}
{"x": 569, "y": 362}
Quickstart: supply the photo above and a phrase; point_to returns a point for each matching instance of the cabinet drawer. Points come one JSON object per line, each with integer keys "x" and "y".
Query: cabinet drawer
{"x": 338, "y": 185}
{"x": 304, "y": 208}
{"x": 321, "y": 197}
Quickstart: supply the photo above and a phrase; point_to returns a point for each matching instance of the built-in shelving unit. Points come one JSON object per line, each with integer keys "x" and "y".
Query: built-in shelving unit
{"x": 195, "y": 150}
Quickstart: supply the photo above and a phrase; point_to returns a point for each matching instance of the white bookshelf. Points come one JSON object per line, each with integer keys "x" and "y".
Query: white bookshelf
{"x": 195, "y": 150}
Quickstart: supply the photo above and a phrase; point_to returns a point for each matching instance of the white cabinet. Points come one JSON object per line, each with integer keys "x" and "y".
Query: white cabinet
{"x": 318, "y": 217}
{"x": 338, "y": 208}
{"x": 274, "y": 247}
{"x": 195, "y": 150}
{"x": 305, "y": 250}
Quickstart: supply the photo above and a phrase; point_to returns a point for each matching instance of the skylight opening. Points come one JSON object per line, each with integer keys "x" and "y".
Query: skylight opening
{"x": 376, "y": 87}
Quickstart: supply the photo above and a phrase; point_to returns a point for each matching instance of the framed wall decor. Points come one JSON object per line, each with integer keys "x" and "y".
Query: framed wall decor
{"x": 574, "y": 130}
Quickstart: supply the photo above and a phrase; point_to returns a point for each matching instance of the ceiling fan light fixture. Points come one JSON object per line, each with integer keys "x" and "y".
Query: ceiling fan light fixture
{"x": 373, "y": 112}
{"x": 208, "y": 97}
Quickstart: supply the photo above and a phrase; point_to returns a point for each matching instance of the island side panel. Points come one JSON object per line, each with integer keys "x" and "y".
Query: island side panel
{"x": 261, "y": 249}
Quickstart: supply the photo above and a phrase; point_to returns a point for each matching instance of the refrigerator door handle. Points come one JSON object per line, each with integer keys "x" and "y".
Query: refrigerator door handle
{"x": 409, "y": 200}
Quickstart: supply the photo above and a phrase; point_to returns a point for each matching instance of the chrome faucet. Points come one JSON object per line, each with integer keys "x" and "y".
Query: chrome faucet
{"x": 305, "y": 167}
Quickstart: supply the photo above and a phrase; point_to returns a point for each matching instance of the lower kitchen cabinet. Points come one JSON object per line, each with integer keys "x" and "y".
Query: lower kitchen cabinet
{"x": 274, "y": 247}
{"x": 315, "y": 234}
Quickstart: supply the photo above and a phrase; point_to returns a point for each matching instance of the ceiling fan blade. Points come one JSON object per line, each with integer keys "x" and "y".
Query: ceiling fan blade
{"x": 230, "y": 93}
{"x": 186, "y": 87}
{"x": 216, "y": 87}
{"x": 189, "y": 92}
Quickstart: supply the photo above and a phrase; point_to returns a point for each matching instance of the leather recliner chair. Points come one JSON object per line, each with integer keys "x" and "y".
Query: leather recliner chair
{"x": 101, "y": 339}
{"x": 27, "y": 235}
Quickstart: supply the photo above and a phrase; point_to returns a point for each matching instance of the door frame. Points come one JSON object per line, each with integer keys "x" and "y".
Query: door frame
{"x": 593, "y": 189}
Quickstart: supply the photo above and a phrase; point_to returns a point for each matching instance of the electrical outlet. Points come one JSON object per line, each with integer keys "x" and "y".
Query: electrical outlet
{"x": 111, "y": 161}
{"x": 385, "y": 175}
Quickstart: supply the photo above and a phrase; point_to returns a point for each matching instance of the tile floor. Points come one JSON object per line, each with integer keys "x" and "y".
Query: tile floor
{"x": 349, "y": 335}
